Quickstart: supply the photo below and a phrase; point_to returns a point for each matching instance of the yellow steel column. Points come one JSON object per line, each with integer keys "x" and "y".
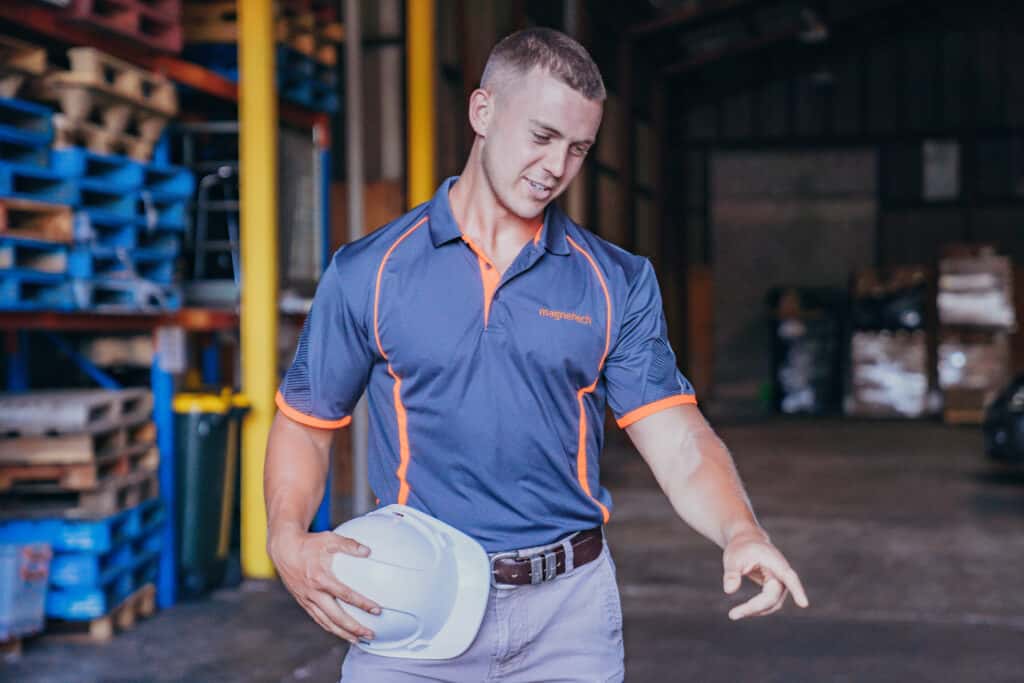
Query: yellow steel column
{"x": 421, "y": 73}
{"x": 257, "y": 118}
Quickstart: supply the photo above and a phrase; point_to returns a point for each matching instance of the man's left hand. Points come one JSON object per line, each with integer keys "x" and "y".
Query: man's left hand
{"x": 752, "y": 555}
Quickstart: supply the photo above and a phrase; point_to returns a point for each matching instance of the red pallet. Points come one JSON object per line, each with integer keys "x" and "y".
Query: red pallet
{"x": 153, "y": 23}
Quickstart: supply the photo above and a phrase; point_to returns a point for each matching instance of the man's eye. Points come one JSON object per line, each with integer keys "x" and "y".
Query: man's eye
{"x": 580, "y": 151}
{"x": 541, "y": 138}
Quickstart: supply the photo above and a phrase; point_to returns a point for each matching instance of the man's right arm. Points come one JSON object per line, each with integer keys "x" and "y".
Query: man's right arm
{"x": 294, "y": 477}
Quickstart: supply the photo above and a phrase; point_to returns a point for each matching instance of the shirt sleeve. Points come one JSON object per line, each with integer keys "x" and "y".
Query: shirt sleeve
{"x": 640, "y": 372}
{"x": 333, "y": 358}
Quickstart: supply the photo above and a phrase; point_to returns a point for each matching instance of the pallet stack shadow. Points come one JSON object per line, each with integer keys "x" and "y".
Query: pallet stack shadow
{"x": 80, "y": 226}
{"x": 306, "y": 57}
{"x": 976, "y": 318}
{"x": 78, "y": 470}
{"x": 889, "y": 348}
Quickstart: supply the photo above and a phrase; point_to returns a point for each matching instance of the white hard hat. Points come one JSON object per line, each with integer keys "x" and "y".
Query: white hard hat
{"x": 430, "y": 580}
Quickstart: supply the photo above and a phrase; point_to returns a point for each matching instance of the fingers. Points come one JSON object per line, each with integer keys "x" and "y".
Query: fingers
{"x": 731, "y": 582}
{"x": 780, "y": 569}
{"x": 343, "y": 544}
{"x": 329, "y": 584}
{"x": 340, "y": 621}
{"x": 768, "y": 600}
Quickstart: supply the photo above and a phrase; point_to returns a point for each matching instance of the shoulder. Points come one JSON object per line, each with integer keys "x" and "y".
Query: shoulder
{"x": 623, "y": 269}
{"x": 358, "y": 260}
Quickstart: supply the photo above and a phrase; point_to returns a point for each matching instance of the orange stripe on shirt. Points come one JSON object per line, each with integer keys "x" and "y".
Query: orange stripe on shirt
{"x": 581, "y": 448}
{"x": 489, "y": 276}
{"x": 308, "y": 420}
{"x": 400, "y": 414}
{"x": 643, "y": 411}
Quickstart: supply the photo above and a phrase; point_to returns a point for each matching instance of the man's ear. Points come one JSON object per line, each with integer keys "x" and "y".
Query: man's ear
{"x": 481, "y": 111}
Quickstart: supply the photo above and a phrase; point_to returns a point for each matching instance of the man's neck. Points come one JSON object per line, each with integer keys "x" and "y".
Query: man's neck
{"x": 483, "y": 219}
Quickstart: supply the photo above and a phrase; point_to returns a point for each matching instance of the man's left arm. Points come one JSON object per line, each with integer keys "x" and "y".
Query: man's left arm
{"x": 696, "y": 472}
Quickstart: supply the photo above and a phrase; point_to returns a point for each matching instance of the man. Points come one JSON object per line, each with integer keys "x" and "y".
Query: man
{"x": 490, "y": 333}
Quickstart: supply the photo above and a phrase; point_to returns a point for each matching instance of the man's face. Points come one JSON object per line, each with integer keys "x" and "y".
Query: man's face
{"x": 540, "y": 132}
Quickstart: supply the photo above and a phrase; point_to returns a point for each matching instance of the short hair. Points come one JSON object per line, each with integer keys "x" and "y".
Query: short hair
{"x": 551, "y": 50}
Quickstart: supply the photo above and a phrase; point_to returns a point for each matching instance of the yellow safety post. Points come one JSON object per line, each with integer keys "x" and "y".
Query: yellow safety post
{"x": 257, "y": 110}
{"x": 421, "y": 73}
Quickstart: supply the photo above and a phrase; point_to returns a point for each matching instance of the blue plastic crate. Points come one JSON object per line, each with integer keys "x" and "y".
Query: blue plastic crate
{"x": 111, "y": 171}
{"x": 26, "y": 121}
{"x": 24, "y": 575}
{"x": 169, "y": 182}
{"x": 31, "y": 182}
{"x": 154, "y": 267}
{"x": 100, "y": 262}
{"x": 154, "y": 243}
{"x": 98, "y": 536}
{"x": 97, "y": 569}
{"x": 129, "y": 294}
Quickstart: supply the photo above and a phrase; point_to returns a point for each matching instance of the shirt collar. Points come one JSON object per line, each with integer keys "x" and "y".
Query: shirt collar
{"x": 444, "y": 229}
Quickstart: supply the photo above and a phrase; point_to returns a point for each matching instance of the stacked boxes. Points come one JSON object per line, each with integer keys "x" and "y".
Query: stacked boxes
{"x": 976, "y": 316}
{"x": 889, "y": 345}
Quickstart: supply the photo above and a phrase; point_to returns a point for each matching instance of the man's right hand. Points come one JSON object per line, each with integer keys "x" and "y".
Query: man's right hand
{"x": 303, "y": 561}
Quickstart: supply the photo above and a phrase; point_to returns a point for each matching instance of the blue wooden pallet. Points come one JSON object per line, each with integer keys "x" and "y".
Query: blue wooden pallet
{"x": 31, "y": 182}
{"x": 172, "y": 182}
{"x": 27, "y": 122}
{"x": 105, "y": 203}
{"x": 111, "y": 171}
{"x": 15, "y": 150}
{"x": 36, "y": 292}
{"x": 104, "y": 230}
{"x": 20, "y": 255}
{"x": 158, "y": 210}
{"x": 91, "y": 602}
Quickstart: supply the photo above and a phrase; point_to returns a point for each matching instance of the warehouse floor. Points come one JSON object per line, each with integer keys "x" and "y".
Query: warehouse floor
{"x": 907, "y": 540}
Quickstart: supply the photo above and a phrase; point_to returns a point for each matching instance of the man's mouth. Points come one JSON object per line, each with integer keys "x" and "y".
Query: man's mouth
{"x": 537, "y": 187}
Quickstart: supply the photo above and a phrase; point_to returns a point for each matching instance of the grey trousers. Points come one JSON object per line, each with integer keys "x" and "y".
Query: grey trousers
{"x": 566, "y": 630}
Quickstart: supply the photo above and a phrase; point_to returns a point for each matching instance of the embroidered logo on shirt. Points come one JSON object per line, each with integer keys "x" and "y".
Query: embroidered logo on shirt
{"x": 563, "y": 315}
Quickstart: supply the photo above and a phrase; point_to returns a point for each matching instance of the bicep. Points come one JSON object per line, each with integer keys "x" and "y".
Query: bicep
{"x": 668, "y": 433}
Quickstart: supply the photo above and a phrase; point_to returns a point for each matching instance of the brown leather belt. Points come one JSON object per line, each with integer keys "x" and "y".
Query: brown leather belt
{"x": 515, "y": 569}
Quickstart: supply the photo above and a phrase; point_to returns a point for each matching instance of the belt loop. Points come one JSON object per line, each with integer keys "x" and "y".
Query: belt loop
{"x": 569, "y": 560}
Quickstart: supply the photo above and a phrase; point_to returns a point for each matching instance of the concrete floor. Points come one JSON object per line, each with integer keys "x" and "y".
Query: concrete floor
{"x": 908, "y": 541}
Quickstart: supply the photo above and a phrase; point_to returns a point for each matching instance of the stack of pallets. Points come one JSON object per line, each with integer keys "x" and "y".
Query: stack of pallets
{"x": 108, "y": 105}
{"x": 35, "y": 213}
{"x": 78, "y": 468}
{"x": 306, "y": 57}
{"x": 20, "y": 63}
{"x": 155, "y": 24}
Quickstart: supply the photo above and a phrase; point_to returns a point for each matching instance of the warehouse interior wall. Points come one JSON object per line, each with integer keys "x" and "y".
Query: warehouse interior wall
{"x": 803, "y": 218}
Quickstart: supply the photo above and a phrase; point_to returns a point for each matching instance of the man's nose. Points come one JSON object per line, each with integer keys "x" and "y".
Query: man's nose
{"x": 555, "y": 161}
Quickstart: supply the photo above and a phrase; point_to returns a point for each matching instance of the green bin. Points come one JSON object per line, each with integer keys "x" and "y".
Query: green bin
{"x": 206, "y": 427}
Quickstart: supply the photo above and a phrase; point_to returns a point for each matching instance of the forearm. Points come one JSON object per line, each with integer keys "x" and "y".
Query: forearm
{"x": 294, "y": 477}
{"x": 697, "y": 474}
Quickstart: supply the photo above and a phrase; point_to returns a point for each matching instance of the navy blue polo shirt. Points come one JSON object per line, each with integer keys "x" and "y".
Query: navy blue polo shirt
{"x": 486, "y": 391}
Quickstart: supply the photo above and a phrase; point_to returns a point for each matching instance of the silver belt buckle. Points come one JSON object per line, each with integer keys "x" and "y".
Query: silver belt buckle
{"x": 513, "y": 554}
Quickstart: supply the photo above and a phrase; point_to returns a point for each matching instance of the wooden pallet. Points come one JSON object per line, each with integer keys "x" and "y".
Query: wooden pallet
{"x": 60, "y": 477}
{"x": 139, "y": 605}
{"x": 146, "y": 88}
{"x": 68, "y": 411}
{"x": 36, "y": 220}
{"x": 82, "y": 448}
{"x": 109, "y": 111}
{"x": 152, "y": 23}
{"x": 114, "y": 496}
{"x": 70, "y": 133}
{"x": 19, "y": 61}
